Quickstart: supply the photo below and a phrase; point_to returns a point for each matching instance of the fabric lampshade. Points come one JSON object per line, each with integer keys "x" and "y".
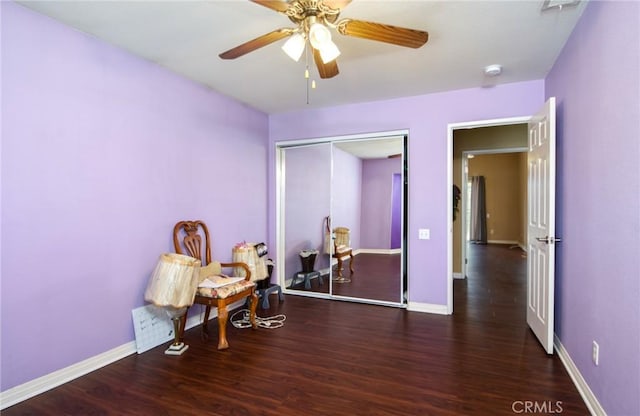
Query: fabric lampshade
{"x": 174, "y": 281}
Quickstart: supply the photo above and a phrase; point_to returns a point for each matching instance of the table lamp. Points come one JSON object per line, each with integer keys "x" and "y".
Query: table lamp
{"x": 173, "y": 287}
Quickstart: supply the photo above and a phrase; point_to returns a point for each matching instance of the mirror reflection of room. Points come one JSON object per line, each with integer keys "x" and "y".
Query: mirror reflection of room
{"x": 356, "y": 250}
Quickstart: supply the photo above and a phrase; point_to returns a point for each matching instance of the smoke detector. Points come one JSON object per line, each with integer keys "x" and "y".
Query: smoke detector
{"x": 558, "y": 4}
{"x": 493, "y": 70}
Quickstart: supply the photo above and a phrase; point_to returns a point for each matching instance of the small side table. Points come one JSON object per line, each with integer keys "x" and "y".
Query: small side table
{"x": 264, "y": 294}
{"x": 307, "y": 276}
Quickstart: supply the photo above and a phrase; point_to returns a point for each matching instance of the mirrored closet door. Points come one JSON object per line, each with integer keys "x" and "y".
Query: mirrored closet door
{"x": 344, "y": 196}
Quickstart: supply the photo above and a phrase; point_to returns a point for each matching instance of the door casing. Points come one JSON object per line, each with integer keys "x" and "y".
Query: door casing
{"x": 450, "y": 133}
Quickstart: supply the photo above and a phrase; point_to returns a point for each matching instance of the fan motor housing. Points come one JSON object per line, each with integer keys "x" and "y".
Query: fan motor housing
{"x": 299, "y": 10}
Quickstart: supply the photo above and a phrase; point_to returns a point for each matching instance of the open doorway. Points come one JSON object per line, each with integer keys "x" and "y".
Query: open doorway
{"x": 540, "y": 233}
{"x": 489, "y": 137}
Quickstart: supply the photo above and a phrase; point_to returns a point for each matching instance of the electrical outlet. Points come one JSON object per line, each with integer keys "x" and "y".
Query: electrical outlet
{"x": 424, "y": 234}
{"x": 595, "y": 353}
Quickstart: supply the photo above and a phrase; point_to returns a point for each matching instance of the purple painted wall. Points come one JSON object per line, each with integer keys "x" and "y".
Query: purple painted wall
{"x": 307, "y": 203}
{"x": 102, "y": 153}
{"x": 346, "y": 192}
{"x": 311, "y": 194}
{"x": 426, "y": 117}
{"x": 597, "y": 84}
{"x": 377, "y": 184}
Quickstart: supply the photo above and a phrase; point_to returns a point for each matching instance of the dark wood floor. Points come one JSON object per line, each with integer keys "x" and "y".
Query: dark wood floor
{"x": 340, "y": 358}
{"x": 376, "y": 276}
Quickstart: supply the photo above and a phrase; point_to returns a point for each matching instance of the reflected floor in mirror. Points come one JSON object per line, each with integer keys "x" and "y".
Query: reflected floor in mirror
{"x": 376, "y": 277}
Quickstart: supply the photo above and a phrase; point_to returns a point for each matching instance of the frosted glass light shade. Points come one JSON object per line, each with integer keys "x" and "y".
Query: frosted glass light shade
{"x": 319, "y": 35}
{"x": 174, "y": 281}
{"x": 294, "y": 46}
{"x": 329, "y": 52}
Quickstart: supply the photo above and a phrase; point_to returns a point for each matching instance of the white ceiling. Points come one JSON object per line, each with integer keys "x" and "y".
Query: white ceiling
{"x": 464, "y": 37}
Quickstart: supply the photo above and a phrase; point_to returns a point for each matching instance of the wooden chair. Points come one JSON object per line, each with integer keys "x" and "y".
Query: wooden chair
{"x": 340, "y": 247}
{"x": 221, "y": 297}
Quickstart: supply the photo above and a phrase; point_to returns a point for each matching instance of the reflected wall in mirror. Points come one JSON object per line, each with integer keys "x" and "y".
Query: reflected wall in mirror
{"x": 359, "y": 183}
{"x": 307, "y": 198}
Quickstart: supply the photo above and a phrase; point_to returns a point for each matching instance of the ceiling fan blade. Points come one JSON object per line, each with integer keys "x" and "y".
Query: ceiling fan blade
{"x": 336, "y": 4}
{"x": 401, "y": 36}
{"x": 256, "y": 43}
{"x": 277, "y": 5}
{"x": 328, "y": 70}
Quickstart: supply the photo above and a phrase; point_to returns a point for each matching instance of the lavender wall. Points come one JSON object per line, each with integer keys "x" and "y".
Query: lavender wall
{"x": 377, "y": 184}
{"x": 102, "y": 153}
{"x": 597, "y": 84}
{"x": 346, "y": 193}
{"x": 307, "y": 203}
{"x": 426, "y": 117}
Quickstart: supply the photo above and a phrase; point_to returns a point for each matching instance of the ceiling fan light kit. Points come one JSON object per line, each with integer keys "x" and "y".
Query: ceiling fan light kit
{"x": 319, "y": 34}
{"x": 294, "y": 46}
{"x": 329, "y": 52}
{"x": 314, "y": 19}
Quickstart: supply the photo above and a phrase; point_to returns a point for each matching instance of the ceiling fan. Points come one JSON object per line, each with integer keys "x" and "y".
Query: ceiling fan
{"x": 313, "y": 19}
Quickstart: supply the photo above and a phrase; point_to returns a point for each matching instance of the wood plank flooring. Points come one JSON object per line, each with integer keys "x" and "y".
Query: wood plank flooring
{"x": 339, "y": 358}
{"x": 376, "y": 276}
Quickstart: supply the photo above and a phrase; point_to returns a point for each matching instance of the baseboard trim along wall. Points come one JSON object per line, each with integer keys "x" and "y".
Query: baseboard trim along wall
{"x": 589, "y": 398}
{"x": 40, "y": 385}
{"x": 50, "y": 381}
{"x": 377, "y": 251}
{"x": 458, "y": 276}
{"x": 427, "y": 308}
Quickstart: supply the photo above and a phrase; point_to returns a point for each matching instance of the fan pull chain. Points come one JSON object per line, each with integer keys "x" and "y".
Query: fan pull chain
{"x": 306, "y": 73}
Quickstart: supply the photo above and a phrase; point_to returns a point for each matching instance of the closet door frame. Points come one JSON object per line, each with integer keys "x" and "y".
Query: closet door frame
{"x": 281, "y": 147}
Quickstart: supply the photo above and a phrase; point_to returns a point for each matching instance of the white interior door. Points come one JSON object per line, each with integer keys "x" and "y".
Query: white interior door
{"x": 541, "y": 224}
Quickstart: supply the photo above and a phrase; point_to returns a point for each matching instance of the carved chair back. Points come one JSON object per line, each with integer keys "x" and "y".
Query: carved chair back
{"x": 192, "y": 241}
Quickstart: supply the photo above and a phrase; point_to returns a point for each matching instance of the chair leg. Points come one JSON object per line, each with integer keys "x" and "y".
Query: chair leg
{"x": 252, "y": 309}
{"x": 223, "y": 315}
{"x": 205, "y": 323}
{"x": 351, "y": 262}
{"x": 339, "y": 267}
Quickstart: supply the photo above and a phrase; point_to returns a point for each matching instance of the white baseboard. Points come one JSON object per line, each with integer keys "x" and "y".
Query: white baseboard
{"x": 512, "y": 242}
{"x": 589, "y": 398}
{"x": 458, "y": 276}
{"x": 49, "y": 381}
{"x": 377, "y": 251}
{"x": 41, "y": 384}
{"x": 427, "y": 308}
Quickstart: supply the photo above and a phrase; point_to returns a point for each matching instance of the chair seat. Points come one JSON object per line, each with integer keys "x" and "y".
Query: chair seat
{"x": 342, "y": 249}
{"x": 225, "y": 291}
